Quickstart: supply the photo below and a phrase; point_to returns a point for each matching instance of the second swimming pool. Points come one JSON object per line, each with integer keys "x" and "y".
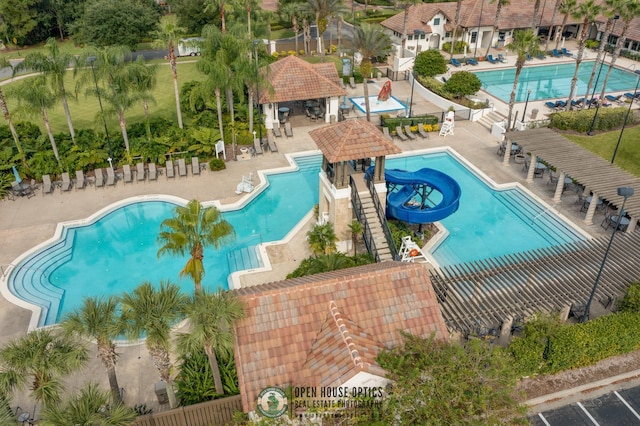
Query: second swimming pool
{"x": 553, "y": 81}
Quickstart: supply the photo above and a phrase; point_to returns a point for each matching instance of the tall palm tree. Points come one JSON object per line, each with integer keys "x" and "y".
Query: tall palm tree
{"x": 292, "y": 11}
{"x": 322, "y": 239}
{"x": 628, "y": 11}
{"x": 566, "y": 8}
{"x": 588, "y": 12}
{"x": 556, "y": 5}
{"x": 54, "y": 65}
{"x": 322, "y": 10}
{"x": 500, "y": 4}
{"x": 151, "y": 312}
{"x": 212, "y": 317}
{"x": 534, "y": 17}
{"x": 99, "y": 319}
{"x": 143, "y": 80}
{"x": 372, "y": 42}
{"x": 456, "y": 24}
{"x": 192, "y": 229}
{"x": 169, "y": 36}
{"x": 5, "y": 112}
{"x": 35, "y": 97}
{"x": 219, "y": 5}
{"x": 329, "y": 262}
{"x": 40, "y": 359}
{"x": 524, "y": 41}
{"x": 90, "y": 406}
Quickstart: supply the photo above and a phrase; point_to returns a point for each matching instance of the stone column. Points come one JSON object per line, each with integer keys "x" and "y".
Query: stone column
{"x": 507, "y": 153}
{"x": 557, "y": 198}
{"x": 532, "y": 167}
{"x": 632, "y": 224}
{"x": 588, "y": 220}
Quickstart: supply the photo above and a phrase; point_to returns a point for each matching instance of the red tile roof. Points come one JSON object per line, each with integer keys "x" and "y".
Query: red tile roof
{"x": 326, "y": 328}
{"x": 294, "y": 79}
{"x": 352, "y": 140}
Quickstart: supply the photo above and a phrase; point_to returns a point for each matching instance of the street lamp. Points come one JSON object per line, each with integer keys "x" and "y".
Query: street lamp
{"x": 255, "y": 49}
{"x": 416, "y": 34}
{"x": 526, "y": 102}
{"x": 91, "y": 60}
{"x": 625, "y": 192}
{"x": 626, "y": 117}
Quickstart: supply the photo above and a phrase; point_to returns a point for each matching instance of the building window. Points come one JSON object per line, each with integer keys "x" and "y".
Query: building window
{"x": 436, "y": 21}
{"x": 474, "y": 37}
{"x": 447, "y": 34}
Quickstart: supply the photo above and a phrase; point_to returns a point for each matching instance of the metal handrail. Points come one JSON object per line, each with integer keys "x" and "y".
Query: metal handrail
{"x": 362, "y": 218}
{"x": 383, "y": 219}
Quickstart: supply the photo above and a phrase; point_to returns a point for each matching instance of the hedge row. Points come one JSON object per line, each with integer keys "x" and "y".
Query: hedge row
{"x": 545, "y": 349}
{"x": 393, "y": 122}
{"x": 608, "y": 118}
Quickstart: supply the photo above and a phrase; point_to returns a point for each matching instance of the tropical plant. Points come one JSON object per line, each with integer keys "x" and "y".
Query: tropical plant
{"x": 143, "y": 80}
{"x": 90, "y": 406}
{"x": 212, "y": 318}
{"x": 151, "y": 313}
{"x": 523, "y": 42}
{"x": 456, "y": 24}
{"x": 169, "y": 37}
{"x": 372, "y": 42}
{"x": 194, "y": 382}
{"x": 192, "y": 229}
{"x": 98, "y": 319}
{"x": 430, "y": 63}
{"x": 566, "y": 8}
{"x": 322, "y": 239}
{"x": 588, "y": 12}
{"x": 463, "y": 83}
{"x": 329, "y": 262}
{"x": 499, "y": 5}
{"x": 54, "y": 66}
{"x": 5, "y": 111}
{"x": 356, "y": 230}
{"x": 322, "y": 10}
{"x": 7, "y": 417}
{"x": 40, "y": 359}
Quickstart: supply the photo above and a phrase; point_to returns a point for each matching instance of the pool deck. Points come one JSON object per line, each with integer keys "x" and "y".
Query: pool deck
{"x": 25, "y": 223}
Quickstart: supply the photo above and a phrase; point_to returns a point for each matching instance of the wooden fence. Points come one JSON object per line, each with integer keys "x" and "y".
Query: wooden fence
{"x": 211, "y": 413}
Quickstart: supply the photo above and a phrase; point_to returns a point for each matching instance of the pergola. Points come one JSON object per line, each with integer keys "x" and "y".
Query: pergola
{"x": 596, "y": 174}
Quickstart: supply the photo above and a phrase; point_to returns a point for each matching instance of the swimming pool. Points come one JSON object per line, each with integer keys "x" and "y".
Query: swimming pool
{"x": 116, "y": 251}
{"x": 552, "y": 81}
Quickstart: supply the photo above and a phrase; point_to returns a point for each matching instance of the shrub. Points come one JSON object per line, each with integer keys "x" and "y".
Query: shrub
{"x": 592, "y": 44}
{"x": 631, "y": 300}
{"x": 459, "y": 47}
{"x": 463, "y": 83}
{"x": 430, "y": 63}
{"x": 580, "y": 121}
{"x": 217, "y": 164}
{"x": 435, "y": 86}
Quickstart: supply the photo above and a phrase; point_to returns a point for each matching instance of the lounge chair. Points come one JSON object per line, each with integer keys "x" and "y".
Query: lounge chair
{"x": 408, "y": 132}
{"x": 195, "y": 166}
{"x": 352, "y": 82}
{"x": 140, "y": 175}
{"x": 257, "y": 146}
{"x": 472, "y": 61}
{"x": 422, "y": 132}
{"x": 385, "y": 130}
{"x": 98, "y": 178}
{"x": 551, "y": 105}
{"x": 541, "y": 55}
{"x": 556, "y": 54}
{"x": 111, "y": 177}
{"x": 80, "y": 180}
{"x": 565, "y": 52}
{"x": 47, "y": 187}
{"x": 455, "y": 62}
{"x": 66, "y": 182}
{"x": 272, "y": 144}
{"x": 501, "y": 58}
{"x": 153, "y": 172}
{"x": 171, "y": 172}
{"x": 342, "y": 84}
{"x": 491, "y": 59}
{"x": 182, "y": 167}
{"x": 127, "y": 177}
{"x": 617, "y": 99}
{"x": 631, "y": 96}
{"x": 401, "y": 134}
{"x": 528, "y": 57}
{"x": 287, "y": 130}
{"x": 276, "y": 131}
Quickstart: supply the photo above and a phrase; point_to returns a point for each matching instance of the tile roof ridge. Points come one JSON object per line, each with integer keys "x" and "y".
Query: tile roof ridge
{"x": 341, "y": 324}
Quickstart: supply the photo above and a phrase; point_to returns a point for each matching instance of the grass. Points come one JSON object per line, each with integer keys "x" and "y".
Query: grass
{"x": 603, "y": 144}
{"x": 84, "y": 109}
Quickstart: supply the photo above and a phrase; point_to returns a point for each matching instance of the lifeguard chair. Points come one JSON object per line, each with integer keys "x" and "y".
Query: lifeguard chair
{"x": 447, "y": 125}
{"x": 410, "y": 252}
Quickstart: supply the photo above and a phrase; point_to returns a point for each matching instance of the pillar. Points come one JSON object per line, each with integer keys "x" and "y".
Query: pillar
{"x": 588, "y": 220}
{"x": 559, "y": 188}
{"x": 632, "y": 224}
{"x": 507, "y": 153}
{"x": 532, "y": 167}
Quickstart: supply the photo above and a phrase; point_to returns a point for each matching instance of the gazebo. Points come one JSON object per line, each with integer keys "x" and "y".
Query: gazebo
{"x": 347, "y": 150}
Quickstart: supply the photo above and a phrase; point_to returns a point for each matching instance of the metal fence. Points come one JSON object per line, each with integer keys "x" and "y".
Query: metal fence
{"x": 211, "y": 413}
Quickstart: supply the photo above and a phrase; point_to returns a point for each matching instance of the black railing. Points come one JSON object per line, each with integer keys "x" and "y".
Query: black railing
{"x": 367, "y": 235}
{"x": 383, "y": 219}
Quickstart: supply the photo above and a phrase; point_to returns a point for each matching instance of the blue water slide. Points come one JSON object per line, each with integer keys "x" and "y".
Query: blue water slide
{"x": 399, "y": 202}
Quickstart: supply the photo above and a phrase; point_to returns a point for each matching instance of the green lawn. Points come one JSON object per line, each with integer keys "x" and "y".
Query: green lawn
{"x": 628, "y": 155}
{"x": 85, "y": 108}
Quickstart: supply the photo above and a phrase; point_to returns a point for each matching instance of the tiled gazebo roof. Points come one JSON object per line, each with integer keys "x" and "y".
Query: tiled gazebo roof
{"x": 352, "y": 140}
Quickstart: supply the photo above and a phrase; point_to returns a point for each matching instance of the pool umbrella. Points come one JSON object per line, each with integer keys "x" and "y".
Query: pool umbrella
{"x": 16, "y": 174}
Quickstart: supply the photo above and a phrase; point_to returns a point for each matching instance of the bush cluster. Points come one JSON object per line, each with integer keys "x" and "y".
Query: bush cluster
{"x": 391, "y": 123}
{"x": 580, "y": 121}
{"x": 458, "y": 48}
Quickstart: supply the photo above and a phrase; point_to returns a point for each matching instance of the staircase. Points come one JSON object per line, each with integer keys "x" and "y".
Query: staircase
{"x": 487, "y": 120}
{"x": 377, "y": 234}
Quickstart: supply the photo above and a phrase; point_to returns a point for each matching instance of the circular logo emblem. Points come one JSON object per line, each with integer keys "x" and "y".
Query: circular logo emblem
{"x": 272, "y": 402}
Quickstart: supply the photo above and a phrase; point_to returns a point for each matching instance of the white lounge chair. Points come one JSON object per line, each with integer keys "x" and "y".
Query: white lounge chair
{"x": 272, "y": 144}
{"x": 153, "y": 172}
{"x": 182, "y": 167}
{"x": 195, "y": 166}
{"x": 66, "y": 182}
{"x": 401, "y": 134}
{"x": 276, "y": 131}
{"x": 127, "y": 177}
{"x": 171, "y": 173}
{"x": 385, "y": 130}
{"x": 422, "y": 132}
{"x": 99, "y": 178}
{"x": 111, "y": 177}
{"x": 140, "y": 174}
{"x": 257, "y": 146}
{"x": 408, "y": 132}
{"x": 288, "y": 130}
{"x": 80, "y": 180}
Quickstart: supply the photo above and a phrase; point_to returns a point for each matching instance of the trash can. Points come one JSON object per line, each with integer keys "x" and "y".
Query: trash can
{"x": 161, "y": 393}
{"x": 534, "y": 113}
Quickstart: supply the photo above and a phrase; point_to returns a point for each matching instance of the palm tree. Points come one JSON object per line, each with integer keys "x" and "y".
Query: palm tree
{"x": 523, "y": 42}
{"x": 322, "y": 10}
{"x": 534, "y": 18}
{"x": 219, "y": 5}
{"x": 143, "y": 79}
{"x": 567, "y": 8}
{"x": 98, "y": 319}
{"x": 169, "y": 36}
{"x": 35, "y": 97}
{"x": 588, "y": 11}
{"x": 322, "y": 239}
{"x": 456, "y": 24}
{"x": 556, "y": 5}
{"x": 610, "y": 10}
{"x": 151, "y": 312}
{"x": 292, "y": 11}
{"x": 329, "y": 262}
{"x": 212, "y": 317}
{"x": 89, "y": 407}
{"x": 372, "y": 42}
{"x": 193, "y": 228}
{"x": 356, "y": 229}
{"x": 5, "y": 111}
{"x": 499, "y": 6}
{"x": 54, "y": 65}
{"x": 41, "y": 358}
{"x": 628, "y": 11}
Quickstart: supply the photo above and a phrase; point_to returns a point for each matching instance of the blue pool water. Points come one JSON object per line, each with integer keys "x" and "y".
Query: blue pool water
{"x": 553, "y": 81}
{"x": 118, "y": 251}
